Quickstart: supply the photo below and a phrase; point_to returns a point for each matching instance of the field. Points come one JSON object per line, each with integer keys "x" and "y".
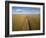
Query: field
{"x": 23, "y": 22}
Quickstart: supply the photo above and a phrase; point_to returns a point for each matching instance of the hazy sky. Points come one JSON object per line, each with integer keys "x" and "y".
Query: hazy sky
{"x": 25, "y": 10}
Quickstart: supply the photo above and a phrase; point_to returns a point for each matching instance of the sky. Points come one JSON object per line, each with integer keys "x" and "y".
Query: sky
{"x": 25, "y": 10}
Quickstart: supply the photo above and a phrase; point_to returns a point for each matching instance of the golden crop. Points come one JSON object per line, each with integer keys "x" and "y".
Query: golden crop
{"x": 22, "y": 22}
